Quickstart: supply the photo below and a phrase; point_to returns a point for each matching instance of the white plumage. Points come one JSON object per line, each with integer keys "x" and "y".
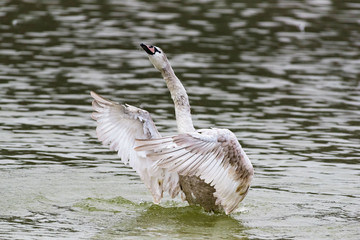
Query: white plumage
{"x": 208, "y": 165}
{"x": 214, "y": 155}
{"x": 119, "y": 126}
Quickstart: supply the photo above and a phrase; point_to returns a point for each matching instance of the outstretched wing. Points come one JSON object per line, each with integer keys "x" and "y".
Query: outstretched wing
{"x": 214, "y": 155}
{"x": 118, "y": 126}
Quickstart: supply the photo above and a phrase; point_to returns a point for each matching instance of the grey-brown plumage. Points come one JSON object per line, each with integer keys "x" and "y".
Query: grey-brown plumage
{"x": 197, "y": 192}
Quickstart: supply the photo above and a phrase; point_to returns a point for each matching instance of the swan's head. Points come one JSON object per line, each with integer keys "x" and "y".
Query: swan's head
{"x": 156, "y": 55}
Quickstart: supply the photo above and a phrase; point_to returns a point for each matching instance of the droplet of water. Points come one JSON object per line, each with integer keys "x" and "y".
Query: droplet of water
{"x": 14, "y": 22}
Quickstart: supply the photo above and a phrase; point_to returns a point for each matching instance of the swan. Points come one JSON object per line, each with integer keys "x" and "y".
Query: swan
{"x": 207, "y": 167}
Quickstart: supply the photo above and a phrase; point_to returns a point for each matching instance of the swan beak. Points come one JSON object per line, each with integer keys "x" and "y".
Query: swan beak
{"x": 149, "y": 49}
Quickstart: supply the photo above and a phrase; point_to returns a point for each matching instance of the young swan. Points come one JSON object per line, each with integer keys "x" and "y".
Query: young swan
{"x": 208, "y": 165}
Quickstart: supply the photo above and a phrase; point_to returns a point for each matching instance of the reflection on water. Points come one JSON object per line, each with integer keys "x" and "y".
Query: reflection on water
{"x": 283, "y": 75}
{"x": 182, "y": 222}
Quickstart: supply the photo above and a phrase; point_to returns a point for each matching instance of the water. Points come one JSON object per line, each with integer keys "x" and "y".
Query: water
{"x": 283, "y": 75}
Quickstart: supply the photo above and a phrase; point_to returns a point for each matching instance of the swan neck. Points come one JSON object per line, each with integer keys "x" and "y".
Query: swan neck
{"x": 181, "y": 100}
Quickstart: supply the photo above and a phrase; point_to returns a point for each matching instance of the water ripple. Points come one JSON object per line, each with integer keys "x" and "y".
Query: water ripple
{"x": 284, "y": 76}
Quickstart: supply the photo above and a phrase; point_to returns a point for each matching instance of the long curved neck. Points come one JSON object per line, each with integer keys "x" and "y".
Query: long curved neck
{"x": 180, "y": 98}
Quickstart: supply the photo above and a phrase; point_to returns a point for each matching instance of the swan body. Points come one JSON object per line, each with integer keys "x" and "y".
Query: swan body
{"x": 207, "y": 166}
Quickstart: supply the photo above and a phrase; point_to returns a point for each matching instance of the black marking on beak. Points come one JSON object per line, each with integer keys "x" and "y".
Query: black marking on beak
{"x": 149, "y": 49}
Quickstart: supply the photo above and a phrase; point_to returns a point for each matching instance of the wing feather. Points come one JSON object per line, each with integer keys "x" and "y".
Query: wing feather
{"x": 118, "y": 126}
{"x": 214, "y": 155}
